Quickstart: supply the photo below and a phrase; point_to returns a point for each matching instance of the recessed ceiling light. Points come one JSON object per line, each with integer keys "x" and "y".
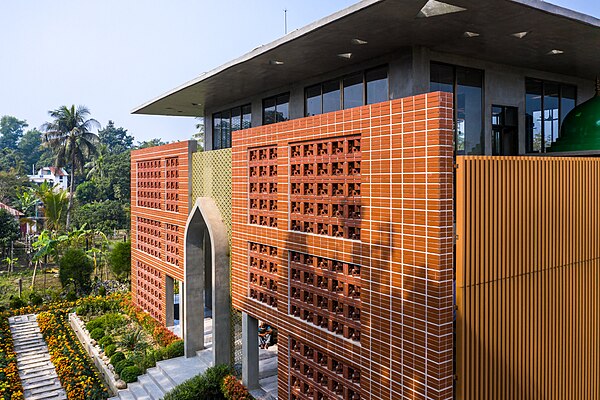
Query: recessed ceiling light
{"x": 554, "y": 52}
{"x": 520, "y": 35}
{"x": 275, "y": 62}
{"x": 434, "y": 8}
{"x": 168, "y": 108}
{"x": 468, "y": 34}
{"x": 345, "y": 55}
{"x": 359, "y": 41}
{"x": 179, "y": 111}
{"x": 195, "y": 104}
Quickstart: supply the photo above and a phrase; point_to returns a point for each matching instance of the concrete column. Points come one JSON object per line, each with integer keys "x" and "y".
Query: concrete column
{"x": 193, "y": 293}
{"x": 169, "y": 300}
{"x": 250, "y": 355}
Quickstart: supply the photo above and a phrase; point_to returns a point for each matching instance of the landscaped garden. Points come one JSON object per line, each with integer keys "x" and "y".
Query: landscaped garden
{"x": 130, "y": 338}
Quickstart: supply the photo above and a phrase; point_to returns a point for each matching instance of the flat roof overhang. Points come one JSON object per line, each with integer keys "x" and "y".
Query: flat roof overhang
{"x": 388, "y": 26}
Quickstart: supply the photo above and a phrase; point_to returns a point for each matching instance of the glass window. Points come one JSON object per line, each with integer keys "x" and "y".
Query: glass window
{"x": 442, "y": 78}
{"x": 313, "y": 100}
{"x": 331, "y": 96}
{"x": 246, "y": 116}
{"x": 269, "y": 107}
{"x": 353, "y": 91}
{"x": 276, "y": 109}
{"x": 467, "y": 86}
{"x": 547, "y": 104}
{"x": 228, "y": 121}
{"x": 469, "y": 115}
{"x": 377, "y": 85}
{"x": 217, "y": 131}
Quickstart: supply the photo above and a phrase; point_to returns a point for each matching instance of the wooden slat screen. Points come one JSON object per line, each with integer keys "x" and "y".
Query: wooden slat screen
{"x": 527, "y": 278}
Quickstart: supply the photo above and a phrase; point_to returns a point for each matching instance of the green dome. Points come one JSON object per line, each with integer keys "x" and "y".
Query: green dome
{"x": 580, "y": 130}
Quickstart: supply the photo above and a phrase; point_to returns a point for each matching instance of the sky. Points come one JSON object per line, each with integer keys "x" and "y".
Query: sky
{"x": 114, "y": 55}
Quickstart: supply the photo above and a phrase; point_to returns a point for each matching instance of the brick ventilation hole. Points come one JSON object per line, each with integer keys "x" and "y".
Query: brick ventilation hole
{"x": 325, "y": 187}
{"x": 172, "y": 184}
{"x": 318, "y": 375}
{"x": 172, "y": 244}
{"x": 150, "y": 281}
{"x": 149, "y": 184}
{"x": 149, "y": 237}
{"x": 326, "y": 293}
{"x": 262, "y": 171}
{"x": 263, "y": 274}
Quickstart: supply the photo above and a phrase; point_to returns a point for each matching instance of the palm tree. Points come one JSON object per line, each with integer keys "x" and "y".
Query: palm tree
{"x": 69, "y": 136}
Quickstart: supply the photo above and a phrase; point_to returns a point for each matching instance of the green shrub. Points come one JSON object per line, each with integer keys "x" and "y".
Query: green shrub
{"x": 175, "y": 349}
{"x": 133, "y": 340}
{"x": 16, "y": 302}
{"x": 71, "y": 295}
{"x": 121, "y": 365}
{"x": 75, "y": 266}
{"x": 205, "y": 386}
{"x": 93, "y": 324}
{"x": 116, "y": 357}
{"x": 120, "y": 260}
{"x": 35, "y": 299}
{"x": 113, "y": 320}
{"x": 102, "y": 291}
{"x": 106, "y": 340}
{"x": 130, "y": 374}
{"x": 110, "y": 349}
{"x": 97, "y": 334}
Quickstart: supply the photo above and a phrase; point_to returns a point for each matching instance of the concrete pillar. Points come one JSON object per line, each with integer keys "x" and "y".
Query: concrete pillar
{"x": 250, "y": 357}
{"x": 193, "y": 293}
{"x": 169, "y": 293}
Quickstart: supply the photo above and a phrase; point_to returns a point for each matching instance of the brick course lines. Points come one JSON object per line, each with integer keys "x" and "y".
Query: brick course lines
{"x": 404, "y": 252}
{"x": 160, "y": 201}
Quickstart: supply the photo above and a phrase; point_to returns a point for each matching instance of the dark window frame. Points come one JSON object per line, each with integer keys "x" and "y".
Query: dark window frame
{"x": 543, "y": 83}
{"x": 276, "y": 99}
{"x": 340, "y": 81}
{"x": 455, "y": 102}
{"x": 224, "y": 138}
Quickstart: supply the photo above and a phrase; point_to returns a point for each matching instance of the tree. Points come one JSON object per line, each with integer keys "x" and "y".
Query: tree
{"x": 116, "y": 140}
{"x": 70, "y": 137}
{"x": 150, "y": 143}
{"x": 199, "y": 136}
{"x": 11, "y": 183}
{"x": 11, "y": 160}
{"x": 11, "y": 130}
{"x": 120, "y": 259}
{"x": 30, "y": 149}
{"x": 104, "y": 216}
{"x": 9, "y": 228}
{"x": 75, "y": 266}
{"x": 55, "y": 205}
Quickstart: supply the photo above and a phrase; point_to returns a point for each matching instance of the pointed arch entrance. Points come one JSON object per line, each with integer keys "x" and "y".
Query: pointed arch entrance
{"x": 207, "y": 277}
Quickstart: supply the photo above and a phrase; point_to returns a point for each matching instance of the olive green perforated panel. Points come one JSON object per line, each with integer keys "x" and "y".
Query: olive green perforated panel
{"x": 211, "y": 177}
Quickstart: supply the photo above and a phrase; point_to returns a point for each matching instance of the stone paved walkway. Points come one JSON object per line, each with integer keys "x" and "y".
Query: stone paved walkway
{"x": 37, "y": 372}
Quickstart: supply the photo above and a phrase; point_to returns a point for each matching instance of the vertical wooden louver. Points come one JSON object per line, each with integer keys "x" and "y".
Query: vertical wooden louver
{"x": 528, "y": 278}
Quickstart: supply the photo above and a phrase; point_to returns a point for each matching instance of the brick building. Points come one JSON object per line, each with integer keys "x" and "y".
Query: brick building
{"x": 378, "y": 186}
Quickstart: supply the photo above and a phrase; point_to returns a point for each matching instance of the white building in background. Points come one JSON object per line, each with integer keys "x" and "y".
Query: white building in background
{"x": 52, "y": 175}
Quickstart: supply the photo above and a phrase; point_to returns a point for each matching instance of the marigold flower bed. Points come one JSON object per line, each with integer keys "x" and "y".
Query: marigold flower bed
{"x": 10, "y": 383}
{"x": 75, "y": 370}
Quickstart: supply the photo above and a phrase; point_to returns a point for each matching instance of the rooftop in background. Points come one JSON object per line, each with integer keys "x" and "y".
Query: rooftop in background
{"x": 523, "y": 33}
{"x": 11, "y": 211}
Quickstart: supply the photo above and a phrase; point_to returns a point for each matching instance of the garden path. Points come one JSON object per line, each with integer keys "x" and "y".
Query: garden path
{"x": 37, "y": 372}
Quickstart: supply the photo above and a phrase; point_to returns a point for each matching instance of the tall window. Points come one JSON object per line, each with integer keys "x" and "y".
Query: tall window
{"x": 466, "y": 84}
{"x": 547, "y": 104}
{"x": 276, "y": 109}
{"x": 354, "y": 90}
{"x": 228, "y": 121}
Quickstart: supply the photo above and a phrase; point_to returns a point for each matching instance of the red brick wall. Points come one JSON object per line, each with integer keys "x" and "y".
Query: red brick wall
{"x": 160, "y": 200}
{"x": 342, "y": 239}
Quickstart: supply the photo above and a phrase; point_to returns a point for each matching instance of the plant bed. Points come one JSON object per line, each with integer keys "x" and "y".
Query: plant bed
{"x": 126, "y": 339}
{"x": 216, "y": 383}
{"x": 74, "y": 368}
{"x": 10, "y": 383}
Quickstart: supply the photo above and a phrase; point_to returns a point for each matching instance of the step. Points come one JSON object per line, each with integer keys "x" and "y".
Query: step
{"x": 42, "y": 387}
{"x": 125, "y": 395}
{"x": 160, "y": 379}
{"x": 155, "y": 392}
{"x": 54, "y": 395}
{"x": 138, "y": 391}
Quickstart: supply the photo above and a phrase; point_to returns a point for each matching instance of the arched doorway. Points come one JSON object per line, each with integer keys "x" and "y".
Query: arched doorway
{"x": 207, "y": 277}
